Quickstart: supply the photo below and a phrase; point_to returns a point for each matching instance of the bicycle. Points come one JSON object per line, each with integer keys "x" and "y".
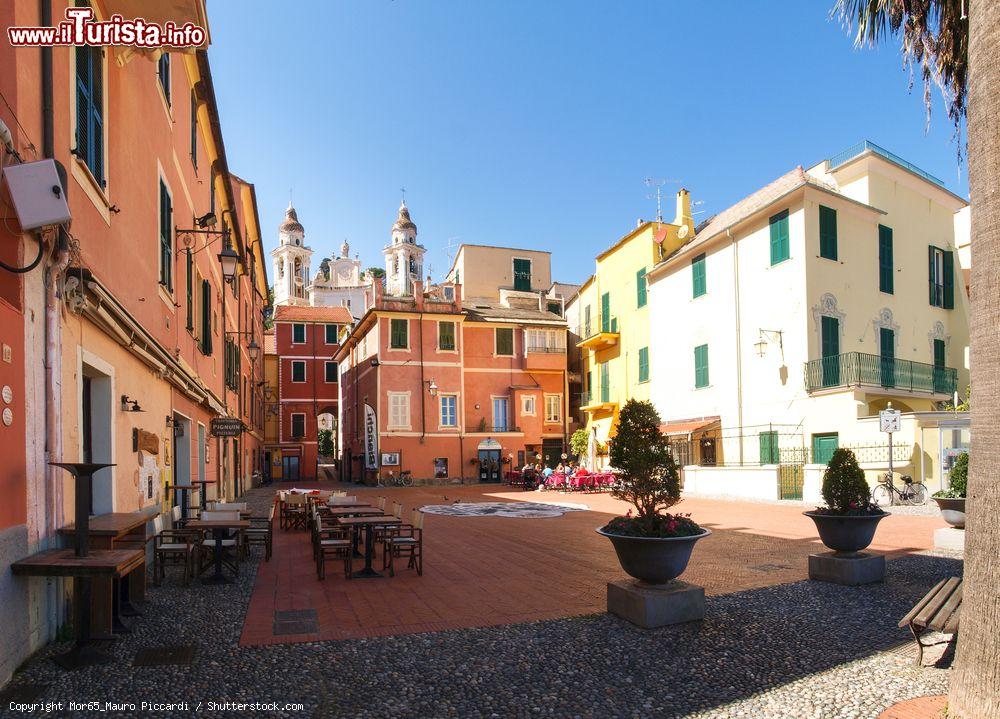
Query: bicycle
{"x": 912, "y": 493}
{"x": 405, "y": 479}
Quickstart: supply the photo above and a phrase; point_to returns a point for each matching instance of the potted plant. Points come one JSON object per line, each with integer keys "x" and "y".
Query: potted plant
{"x": 652, "y": 545}
{"x": 848, "y": 521}
{"x": 951, "y": 502}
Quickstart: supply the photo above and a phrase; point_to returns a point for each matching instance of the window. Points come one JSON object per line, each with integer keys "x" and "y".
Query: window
{"x": 449, "y": 410}
{"x": 298, "y": 371}
{"x": 449, "y": 294}
{"x": 640, "y": 288}
{"x": 546, "y": 341}
{"x": 500, "y": 414}
{"x": 189, "y": 286}
{"x": 698, "y": 280}
{"x": 769, "y": 447}
{"x": 522, "y": 275}
{"x": 194, "y": 130}
{"x": 941, "y": 384}
{"x": 504, "y": 341}
{"x": 332, "y": 334}
{"x": 701, "y": 366}
{"x": 779, "y": 237}
{"x": 941, "y": 277}
{"x": 586, "y": 322}
{"x": 90, "y": 110}
{"x": 553, "y": 408}
{"x": 166, "y": 239}
{"x": 887, "y": 356}
{"x": 298, "y": 425}
{"x": 830, "y": 348}
{"x": 399, "y": 334}
{"x": 399, "y": 410}
{"x": 827, "y": 232}
{"x": 607, "y": 325}
{"x": 555, "y": 308}
{"x": 528, "y": 405}
{"x": 644, "y": 364}
{"x": 588, "y": 393}
{"x": 163, "y": 72}
{"x": 298, "y": 334}
{"x": 885, "y": 272}
{"x": 446, "y": 336}
{"x": 206, "y": 318}
{"x": 232, "y": 359}
{"x": 330, "y": 371}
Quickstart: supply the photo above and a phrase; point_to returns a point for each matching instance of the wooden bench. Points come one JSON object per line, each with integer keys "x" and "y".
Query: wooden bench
{"x": 938, "y": 611}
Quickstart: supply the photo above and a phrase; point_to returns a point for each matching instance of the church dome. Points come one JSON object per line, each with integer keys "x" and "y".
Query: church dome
{"x": 291, "y": 222}
{"x": 403, "y": 221}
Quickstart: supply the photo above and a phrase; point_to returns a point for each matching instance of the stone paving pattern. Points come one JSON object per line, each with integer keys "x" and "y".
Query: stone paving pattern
{"x": 776, "y": 647}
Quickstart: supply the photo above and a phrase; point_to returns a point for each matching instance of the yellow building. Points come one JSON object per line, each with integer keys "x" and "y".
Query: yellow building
{"x": 610, "y": 323}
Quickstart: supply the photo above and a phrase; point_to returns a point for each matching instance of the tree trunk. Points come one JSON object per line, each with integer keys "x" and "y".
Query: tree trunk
{"x": 975, "y": 684}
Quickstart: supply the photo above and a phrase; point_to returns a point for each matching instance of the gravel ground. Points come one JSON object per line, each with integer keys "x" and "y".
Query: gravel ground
{"x": 796, "y": 651}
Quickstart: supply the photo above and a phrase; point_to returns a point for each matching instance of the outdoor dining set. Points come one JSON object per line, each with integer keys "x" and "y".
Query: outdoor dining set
{"x": 338, "y": 523}
{"x": 579, "y": 481}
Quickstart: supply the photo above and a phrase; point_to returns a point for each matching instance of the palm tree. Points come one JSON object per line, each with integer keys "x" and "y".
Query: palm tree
{"x": 955, "y": 45}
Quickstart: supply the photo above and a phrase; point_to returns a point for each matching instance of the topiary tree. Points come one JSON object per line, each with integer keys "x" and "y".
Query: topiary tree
{"x": 648, "y": 475}
{"x": 845, "y": 488}
{"x": 579, "y": 442}
{"x": 958, "y": 478}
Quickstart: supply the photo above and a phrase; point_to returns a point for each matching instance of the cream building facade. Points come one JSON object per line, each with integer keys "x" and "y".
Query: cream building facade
{"x": 793, "y": 317}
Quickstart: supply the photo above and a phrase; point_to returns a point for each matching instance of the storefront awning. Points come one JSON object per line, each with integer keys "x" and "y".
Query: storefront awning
{"x": 688, "y": 426}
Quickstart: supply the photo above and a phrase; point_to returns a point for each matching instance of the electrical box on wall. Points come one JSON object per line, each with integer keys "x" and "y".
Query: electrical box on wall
{"x": 38, "y": 194}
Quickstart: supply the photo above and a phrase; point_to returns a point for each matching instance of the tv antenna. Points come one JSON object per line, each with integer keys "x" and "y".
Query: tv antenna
{"x": 450, "y": 247}
{"x": 658, "y": 183}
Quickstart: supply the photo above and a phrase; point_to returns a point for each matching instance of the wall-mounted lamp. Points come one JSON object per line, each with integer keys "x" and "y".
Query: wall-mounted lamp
{"x": 375, "y": 362}
{"x": 206, "y": 221}
{"x": 432, "y": 388}
{"x": 228, "y": 259}
{"x": 130, "y": 405}
{"x": 171, "y": 421}
{"x": 761, "y": 344}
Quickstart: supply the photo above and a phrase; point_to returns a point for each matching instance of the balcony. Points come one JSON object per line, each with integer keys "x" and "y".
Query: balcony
{"x": 599, "y": 335}
{"x": 599, "y": 400}
{"x": 868, "y": 370}
{"x": 540, "y": 356}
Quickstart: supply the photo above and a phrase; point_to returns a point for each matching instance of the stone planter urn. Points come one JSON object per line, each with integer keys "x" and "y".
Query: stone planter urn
{"x": 952, "y": 510}
{"x": 654, "y": 560}
{"x": 845, "y": 534}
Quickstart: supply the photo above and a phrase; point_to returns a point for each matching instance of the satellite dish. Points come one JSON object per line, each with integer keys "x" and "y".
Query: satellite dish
{"x": 682, "y": 232}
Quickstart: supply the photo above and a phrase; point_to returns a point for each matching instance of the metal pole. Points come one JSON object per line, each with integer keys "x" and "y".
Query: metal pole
{"x": 891, "y": 482}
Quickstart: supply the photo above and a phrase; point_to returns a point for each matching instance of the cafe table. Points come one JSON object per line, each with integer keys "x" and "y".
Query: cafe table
{"x": 367, "y": 523}
{"x": 219, "y": 528}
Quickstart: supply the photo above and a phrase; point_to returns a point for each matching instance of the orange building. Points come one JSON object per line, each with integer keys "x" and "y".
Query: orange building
{"x": 450, "y": 387}
{"x": 130, "y": 340}
{"x": 306, "y": 340}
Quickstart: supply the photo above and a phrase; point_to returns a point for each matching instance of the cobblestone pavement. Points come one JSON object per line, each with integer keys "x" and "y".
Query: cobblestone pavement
{"x": 799, "y": 650}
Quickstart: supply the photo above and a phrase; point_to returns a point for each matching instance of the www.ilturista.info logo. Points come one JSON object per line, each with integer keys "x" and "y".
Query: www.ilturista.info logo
{"x": 80, "y": 28}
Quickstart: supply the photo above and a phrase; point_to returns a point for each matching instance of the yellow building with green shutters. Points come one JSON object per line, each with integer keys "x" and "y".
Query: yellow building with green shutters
{"x": 610, "y": 323}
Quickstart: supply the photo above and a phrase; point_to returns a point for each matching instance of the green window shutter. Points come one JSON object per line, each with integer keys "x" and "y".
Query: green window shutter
{"x": 589, "y": 391}
{"x": 399, "y": 334}
{"x": 931, "y": 278}
{"x": 949, "y": 280}
{"x": 939, "y": 354}
{"x": 606, "y": 312}
{"x": 769, "y": 447}
{"x": 331, "y": 371}
{"x": 446, "y": 335}
{"x": 885, "y": 260}
{"x": 298, "y": 371}
{"x": 779, "y": 237}
{"x": 206, "y": 317}
{"x": 505, "y": 341}
{"x": 605, "y": 383}
{"x": 331, "y": 332}
{"x": 701, "y": 366}
{"x": 522, "y": 275}
{"x": 827, "y": 232}
{"x": 644, "y": 364}
{"x": 189, "y": 263}
{"x": 640, "y": 288}
{"x": 166, "y": 239}
{"x": 298, "y": 333}
{"x": 698, "y": 279}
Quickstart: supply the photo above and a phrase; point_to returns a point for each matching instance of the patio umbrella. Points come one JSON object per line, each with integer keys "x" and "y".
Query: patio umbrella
{"x": 592, "y": 450}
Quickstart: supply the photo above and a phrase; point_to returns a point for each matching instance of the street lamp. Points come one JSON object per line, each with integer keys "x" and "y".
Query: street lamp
{"x": 253, "y": 349}
{"x": 761, "y": 344}
{"x": 228, "y": 259}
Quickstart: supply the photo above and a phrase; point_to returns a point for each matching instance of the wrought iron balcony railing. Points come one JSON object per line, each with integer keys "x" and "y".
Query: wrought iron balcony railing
{"x": 859, "y": 368}
{"x": 603, "y": 324}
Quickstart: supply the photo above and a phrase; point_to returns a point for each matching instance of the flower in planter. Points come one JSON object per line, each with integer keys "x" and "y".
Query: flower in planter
{"x": 958, "y": 479}
{"x": 845, "y": 489}
{"x": 647, "y": 477}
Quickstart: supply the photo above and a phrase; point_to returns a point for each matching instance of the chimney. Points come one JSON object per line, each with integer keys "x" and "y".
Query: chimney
{"x": 683, "y": 216}
{"x": 418, "y": 294}
{"x": 458, "y": 297}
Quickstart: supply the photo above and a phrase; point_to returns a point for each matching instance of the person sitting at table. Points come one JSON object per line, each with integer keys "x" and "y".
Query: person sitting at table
{"x": 561, "y": 468}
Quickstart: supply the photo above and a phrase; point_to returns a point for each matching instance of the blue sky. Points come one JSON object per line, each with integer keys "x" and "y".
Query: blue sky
{"x": 533, "y": 124}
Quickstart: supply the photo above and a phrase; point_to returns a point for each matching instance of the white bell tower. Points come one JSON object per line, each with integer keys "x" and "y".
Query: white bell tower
{"x": 290, "y": 262}
{"x": 404, "y": 258}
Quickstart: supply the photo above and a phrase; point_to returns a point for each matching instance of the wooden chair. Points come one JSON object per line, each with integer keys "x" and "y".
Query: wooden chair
{"x": 171, "y": 546}
{"x": 938, "y": 611}
{"x": 334, "y": 542}
{"x": 294, "y": 512}
{"x": 261, "y": 533}
{"x": 233, "y": 541}
{"x": 405, "y": 540}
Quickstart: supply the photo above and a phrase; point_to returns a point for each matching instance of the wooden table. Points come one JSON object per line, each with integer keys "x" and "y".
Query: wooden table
{"x": 367, "y": 523}
{"x": 204, "y": 489}
{"x": 99, "y": 564}
{"x": 218, "y": 528}
{"x": 118, "y": 530}
{"x": 359, "y": 510}
{"x": 341, "y": 502}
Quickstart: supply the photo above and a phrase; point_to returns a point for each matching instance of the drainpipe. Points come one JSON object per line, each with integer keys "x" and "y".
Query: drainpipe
{"x": 739, "y": 343}
{"x": 423, "y": 413}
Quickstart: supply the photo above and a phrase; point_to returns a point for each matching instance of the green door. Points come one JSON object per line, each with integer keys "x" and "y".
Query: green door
{"x": 887, "y": 356}
{"x": 606, "y": 312}
{"x": 769, "y": 447}
{"x": 940, "y": 378}
{"x": 522, "y": 275}
{"x": 824, "y": 446}
{"x": 831, "y": 351}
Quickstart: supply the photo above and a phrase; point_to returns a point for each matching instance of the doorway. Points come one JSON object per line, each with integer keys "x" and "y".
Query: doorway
{"x": 490, "y": 466}
{"x": 182, "y": 460}
{"x": 290, "y": 468}
{"x": 96, "y": 442}
{"x": 202, "y": 472}
{"x": 823, "y": 447}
